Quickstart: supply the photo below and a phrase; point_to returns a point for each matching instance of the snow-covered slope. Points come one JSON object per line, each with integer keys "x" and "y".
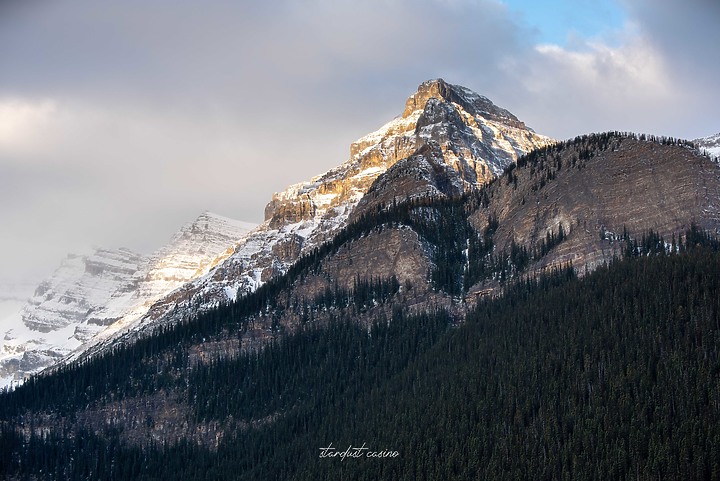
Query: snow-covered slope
{"x": 58, "y": 317}
{"x": 710, "y": 144}
{"x": 476, "y": 138}
{"x": 96, "y": 295}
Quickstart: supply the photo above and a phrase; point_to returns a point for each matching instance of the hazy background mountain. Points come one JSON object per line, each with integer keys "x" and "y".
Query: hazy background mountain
{"x": 711, "y": 144}
{"x": 100, "y": 293}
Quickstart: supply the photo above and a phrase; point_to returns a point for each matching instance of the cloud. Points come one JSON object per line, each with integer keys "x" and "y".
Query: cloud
{"x": 21, "y": 121}
{"x": 656, "y": 74}
{"x": 686, "y": 34}
{"x": 595, "y": 87}
{"x": 621, "y": 72}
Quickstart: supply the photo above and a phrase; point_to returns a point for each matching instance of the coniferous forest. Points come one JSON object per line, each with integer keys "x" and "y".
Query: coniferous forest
{"x": 612, "y": 376}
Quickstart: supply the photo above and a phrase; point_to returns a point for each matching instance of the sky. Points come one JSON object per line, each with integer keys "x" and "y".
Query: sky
{"x": 120, "y": 121}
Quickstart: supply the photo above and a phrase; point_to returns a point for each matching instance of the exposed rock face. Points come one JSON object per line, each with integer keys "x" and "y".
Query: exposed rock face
{"x": 106, "y": 290}
{"x": 423, "y": 174}
{"x": 464, "y": 98}
{"x": 477, "y": 139}
{"x": 596, "y": 194}
{"x": 458, "y": 132}
{"x": 593, "y": 190}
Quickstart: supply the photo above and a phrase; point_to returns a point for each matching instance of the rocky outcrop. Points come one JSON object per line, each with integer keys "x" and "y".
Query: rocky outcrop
{"x": 463, "y": 97}
{"x": 477, "y": 139}
{"x": 423, "y": 174}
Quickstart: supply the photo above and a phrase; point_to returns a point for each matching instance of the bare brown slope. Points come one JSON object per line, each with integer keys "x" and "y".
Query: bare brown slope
{"x": 596, "y": 189}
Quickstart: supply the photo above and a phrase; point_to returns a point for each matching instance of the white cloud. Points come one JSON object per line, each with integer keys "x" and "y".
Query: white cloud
{"x": 612, "y": 72}
{"x": 23, "y": 121}
{"x": 623, "y": 81}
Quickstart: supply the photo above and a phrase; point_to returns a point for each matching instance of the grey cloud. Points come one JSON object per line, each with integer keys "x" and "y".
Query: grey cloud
{"x": 687, "y": 34}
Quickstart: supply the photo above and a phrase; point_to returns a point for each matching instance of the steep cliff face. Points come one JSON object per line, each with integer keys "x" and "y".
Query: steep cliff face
{"x": 575, "y": 203}
{"x": 108, "y": 289}
{"x": 423, "y": 174}
{"x": 579, "y": 203}
{"x": 464, "y": 141}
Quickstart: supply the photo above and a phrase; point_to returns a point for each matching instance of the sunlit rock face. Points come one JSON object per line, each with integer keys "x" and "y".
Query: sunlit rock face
{"x": 477, "y": 138}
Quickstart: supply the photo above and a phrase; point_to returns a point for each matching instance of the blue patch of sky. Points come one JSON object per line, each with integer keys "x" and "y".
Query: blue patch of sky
{"x": 559, "y": 22}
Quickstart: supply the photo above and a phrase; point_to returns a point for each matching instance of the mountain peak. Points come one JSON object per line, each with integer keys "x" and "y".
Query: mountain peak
{"x": 208, "y": 218}
{"x": 470, "y": 101}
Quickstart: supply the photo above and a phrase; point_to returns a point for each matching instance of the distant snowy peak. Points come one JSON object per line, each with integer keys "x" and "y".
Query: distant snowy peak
{"x": 710, "y": 144}
{"x": 209, "y": 225}
{"x": 197, "y": 247}
{"x": 62, "y": 313}
{"x": 95, "y": 295}
{"x": 79, "y": 287}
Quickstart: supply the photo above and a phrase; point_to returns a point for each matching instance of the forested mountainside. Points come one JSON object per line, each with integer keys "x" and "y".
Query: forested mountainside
{"x": 436, "y": 328}
{"x": 611, "y": 376}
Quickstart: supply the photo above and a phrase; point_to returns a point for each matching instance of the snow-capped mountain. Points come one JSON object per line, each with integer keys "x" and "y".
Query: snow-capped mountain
{"x": 475, "y": 138}
{"x": 710, "y": 144}
{"x": 96, "y": 295}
